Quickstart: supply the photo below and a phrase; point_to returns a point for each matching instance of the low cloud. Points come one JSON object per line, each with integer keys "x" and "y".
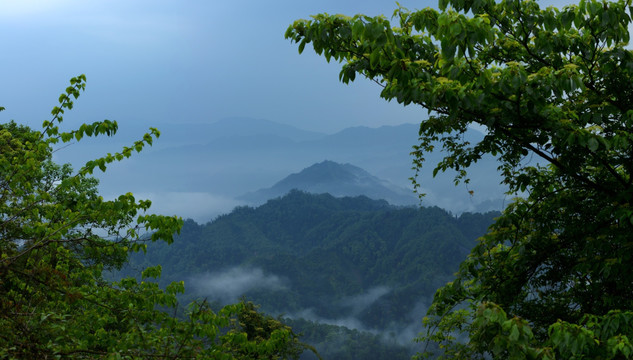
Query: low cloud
{"x": 199, "y": 206}
{"x": 362, "y": 301}
{"x": 357, "y": 303}
{"x": 404, "y": 332}
{"x": 229, "y": 285}
{"x": 401, "y": 333}
{"x": 349, "y": 322}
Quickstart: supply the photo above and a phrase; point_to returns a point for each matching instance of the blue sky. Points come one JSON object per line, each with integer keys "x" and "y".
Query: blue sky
{"x": 177, "y": 61}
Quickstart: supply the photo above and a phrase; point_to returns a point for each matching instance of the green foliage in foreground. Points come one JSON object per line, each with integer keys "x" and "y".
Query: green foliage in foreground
{"x": 553, "y": 88}
{"x": 57, "y": 236}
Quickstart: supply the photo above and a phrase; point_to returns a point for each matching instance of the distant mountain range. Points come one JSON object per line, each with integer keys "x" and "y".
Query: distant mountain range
{"x": 198, "y": 169}
{"x": 338, "y": 180}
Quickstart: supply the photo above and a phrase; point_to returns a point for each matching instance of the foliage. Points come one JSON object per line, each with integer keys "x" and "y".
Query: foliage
{"x": 258, "y": 328}
{"x": 553, "y": 90}
{"x": 57, "y": 236}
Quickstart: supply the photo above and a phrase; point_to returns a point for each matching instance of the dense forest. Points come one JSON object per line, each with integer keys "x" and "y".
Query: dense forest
{"x": 337, "y": 260}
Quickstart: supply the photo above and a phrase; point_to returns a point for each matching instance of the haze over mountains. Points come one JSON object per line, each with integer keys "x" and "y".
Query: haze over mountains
{"x": 335, "y": 265}
{"x": 198, "y": 170}
{"x": 338, "y": 180}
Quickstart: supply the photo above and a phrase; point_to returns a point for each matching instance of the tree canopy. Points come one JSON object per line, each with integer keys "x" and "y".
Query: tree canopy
{"x": 57, "y": 236}
{"x": 553, "y": 90}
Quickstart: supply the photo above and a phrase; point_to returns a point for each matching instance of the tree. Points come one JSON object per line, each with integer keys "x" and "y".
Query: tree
{"x": 57, "y": 236}
{"x": 553, "y": 89}
{"x": 259, "y": 328}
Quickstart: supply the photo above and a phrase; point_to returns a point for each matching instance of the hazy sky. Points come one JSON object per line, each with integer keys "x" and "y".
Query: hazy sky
{"x": 187, "y": 60}
{"x": 151, "y": 62}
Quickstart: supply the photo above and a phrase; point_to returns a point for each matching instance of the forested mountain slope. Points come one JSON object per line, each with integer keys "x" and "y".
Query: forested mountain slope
{"x": 323, "y": 258}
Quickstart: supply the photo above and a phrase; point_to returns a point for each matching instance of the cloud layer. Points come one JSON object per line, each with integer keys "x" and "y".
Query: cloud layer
{"x": 199, "y": 206}
{"x": 229, "y": 285}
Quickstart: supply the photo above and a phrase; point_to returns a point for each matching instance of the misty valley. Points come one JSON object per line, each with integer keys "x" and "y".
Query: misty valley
{"x": 283, "y": 230}
{"x": 346, "y": 258}
{"x": 344, "y": 255}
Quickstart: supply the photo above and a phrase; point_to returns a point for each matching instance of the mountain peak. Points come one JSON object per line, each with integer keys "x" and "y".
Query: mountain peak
{"x": 325, "y": 171}
{"x": 338, "y": 180}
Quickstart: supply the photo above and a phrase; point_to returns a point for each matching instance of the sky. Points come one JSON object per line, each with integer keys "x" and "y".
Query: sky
{"x": 183, "y": 61}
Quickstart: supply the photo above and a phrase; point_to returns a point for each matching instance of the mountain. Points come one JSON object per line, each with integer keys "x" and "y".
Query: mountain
{"x": 198, "y": 169}
{"x": 351, "y": 261}
{"x": 338, "y": 180}
{"x": 235, "y": 127}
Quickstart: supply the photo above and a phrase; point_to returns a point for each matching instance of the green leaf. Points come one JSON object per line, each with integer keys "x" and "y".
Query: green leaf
{"x": 374, "y": 59}
{"x": 514, "y": 333}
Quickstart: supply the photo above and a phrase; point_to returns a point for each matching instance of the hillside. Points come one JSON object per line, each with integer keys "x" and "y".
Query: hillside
{"x": 353, "y": 262}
